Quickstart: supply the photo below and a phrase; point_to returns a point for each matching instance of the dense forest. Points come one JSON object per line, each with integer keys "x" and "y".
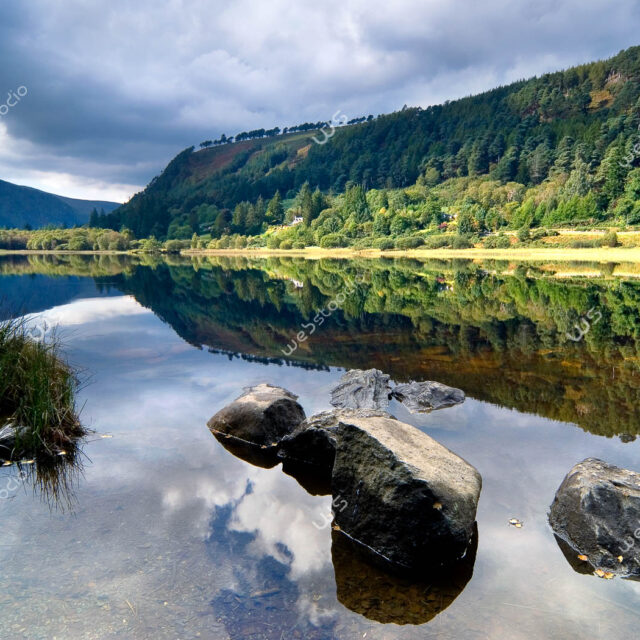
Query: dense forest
{"x": 559, "y": 149}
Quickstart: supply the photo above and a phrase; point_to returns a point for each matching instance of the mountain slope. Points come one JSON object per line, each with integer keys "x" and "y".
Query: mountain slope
{"x": 20, "y": 206}
{"x": 525, "y": 133}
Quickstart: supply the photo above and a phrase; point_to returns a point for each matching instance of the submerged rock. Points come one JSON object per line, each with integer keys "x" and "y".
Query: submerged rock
{"x": 262, "y": 416}
{"x": 596, "y": 511}
{"x": 408, "y": 498}
{"x": 360, "y": 389}
{"x": 421, "y": 397}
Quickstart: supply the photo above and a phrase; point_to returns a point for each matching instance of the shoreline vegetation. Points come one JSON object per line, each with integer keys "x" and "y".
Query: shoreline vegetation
{"x": 37, "y": 395}
{"x": 537, "y": 254}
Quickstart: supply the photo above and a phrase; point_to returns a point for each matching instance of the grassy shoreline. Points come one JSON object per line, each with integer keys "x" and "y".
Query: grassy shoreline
{"x": 532, "y": 254}
{"x": 37, "y": 394}
{"x": 605, "y": 254}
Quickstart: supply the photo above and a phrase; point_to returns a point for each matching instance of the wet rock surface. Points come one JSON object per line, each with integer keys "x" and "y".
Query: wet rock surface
{"x": 596, "y": 511}
{"x": 409, "y": 499}
{"x": 262, "y": 416}
{"x": 422, "y": 397}
{"x": 360, "y": 389}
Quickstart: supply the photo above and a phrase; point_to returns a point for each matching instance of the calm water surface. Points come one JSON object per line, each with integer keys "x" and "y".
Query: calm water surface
{"x": 165, "y": 534}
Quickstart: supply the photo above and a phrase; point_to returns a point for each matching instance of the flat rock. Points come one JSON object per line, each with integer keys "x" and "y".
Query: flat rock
{"x": 403, "y": 496}
{"x": 360, "y": 389}
{"x": 261, "y": 416}
{"x": 421, "y": 397}
{"x": 596, "y": 511}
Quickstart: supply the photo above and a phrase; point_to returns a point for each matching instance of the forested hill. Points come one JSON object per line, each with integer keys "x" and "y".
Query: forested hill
{"x": 579, "y": 124}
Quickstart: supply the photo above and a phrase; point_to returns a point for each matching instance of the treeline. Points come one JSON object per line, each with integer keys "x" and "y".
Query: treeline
{"x": 276, "y": 131}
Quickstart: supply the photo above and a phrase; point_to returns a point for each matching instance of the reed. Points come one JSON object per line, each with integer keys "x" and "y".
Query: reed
{"x": 37, "y": 392}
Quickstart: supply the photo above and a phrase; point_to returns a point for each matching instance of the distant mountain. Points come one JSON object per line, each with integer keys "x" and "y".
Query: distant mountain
{"x": 20, "y": 206}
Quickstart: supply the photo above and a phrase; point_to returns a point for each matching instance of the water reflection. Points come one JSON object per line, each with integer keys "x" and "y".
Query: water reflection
{"x": 384, "y": 597}
{"x": 52, "y": 478}
{"x": 497, "y": 330}
{"x": 197, "y": 541}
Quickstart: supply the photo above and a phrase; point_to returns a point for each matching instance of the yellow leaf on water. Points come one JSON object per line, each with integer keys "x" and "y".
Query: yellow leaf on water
{"x": 583, "y": 558}
{"x": 600, "y": 573}
{"x": 620, "y": 558}
{"x": 437, "y": 505}
{"x": 8, "y": 463}
{"x": 335, "y": 527}
{"x": 608, "y": 575}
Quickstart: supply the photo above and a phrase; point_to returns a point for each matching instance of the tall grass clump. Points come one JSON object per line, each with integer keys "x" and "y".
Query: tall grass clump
{"x": 37, "y": 392}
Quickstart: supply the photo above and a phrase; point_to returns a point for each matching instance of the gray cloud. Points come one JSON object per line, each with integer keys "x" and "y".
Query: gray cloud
{"x": 116, "y": 89}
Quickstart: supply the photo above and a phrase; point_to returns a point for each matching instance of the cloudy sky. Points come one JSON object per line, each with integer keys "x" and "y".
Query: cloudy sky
{"x": 115, "y": 89}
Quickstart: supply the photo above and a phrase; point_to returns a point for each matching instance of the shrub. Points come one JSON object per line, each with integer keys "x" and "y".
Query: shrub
{"x": 384, "y": 244}
{"x": 173, "y": 246}
{"x": 333, "y": 240}
{"x": 610, "y": 240}
{"x": 497, "y": 242}
{"x": 286, "y": 244}
{"x": 461, "y": 242}
{"x": 150, "y": 245}
{"x": 298, "y": 245}
{"x": 437, "y": 242}
{"x": 273, "y": 242}
{"x": 409, "y": 242}
{"x": 78, "y": 243}
{"x": 524, "y": 234}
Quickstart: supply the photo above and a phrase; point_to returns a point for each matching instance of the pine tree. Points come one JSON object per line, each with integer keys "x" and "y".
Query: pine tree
{"x": 275, "y": 211}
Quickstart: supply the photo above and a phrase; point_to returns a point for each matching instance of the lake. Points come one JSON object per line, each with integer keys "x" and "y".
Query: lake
{"x": 157, "y": 531}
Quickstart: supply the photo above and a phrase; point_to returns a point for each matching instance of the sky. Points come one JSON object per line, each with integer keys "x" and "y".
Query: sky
{"x": 116, "y": 89}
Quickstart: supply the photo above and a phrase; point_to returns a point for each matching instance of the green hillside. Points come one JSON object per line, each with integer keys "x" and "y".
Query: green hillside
{"x": 558, "y": 149}
{"x": 22, "y": 206}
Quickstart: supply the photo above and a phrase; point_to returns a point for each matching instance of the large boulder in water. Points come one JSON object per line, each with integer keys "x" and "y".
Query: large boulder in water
{"x": 360, "y": 389}
{"x": 421, "y": 397}
{"x": 402, "y": 495}
{"x": 262, "y": 416}
{"x": 596, "y": 511}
